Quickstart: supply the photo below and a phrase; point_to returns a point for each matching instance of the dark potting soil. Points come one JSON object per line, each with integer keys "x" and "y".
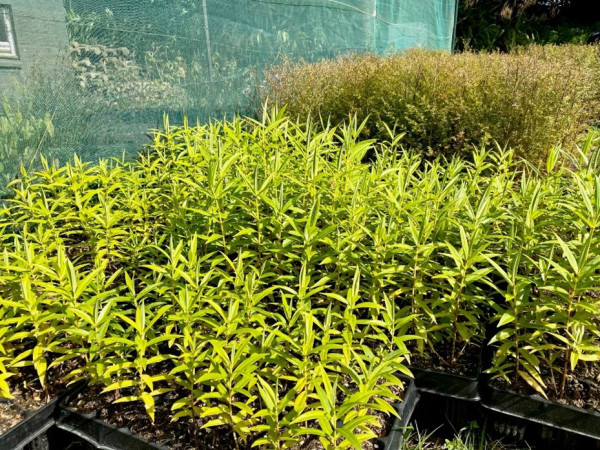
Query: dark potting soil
{"x": 28, "y": 397}
{"x": 582, "y": 389}
{"x": 13, "y": 411}
{"x": 466, "y": 363}
{"x": 10, "y": 415}
{"x": 185, "y": 434}
{"x": 384, "y": 427}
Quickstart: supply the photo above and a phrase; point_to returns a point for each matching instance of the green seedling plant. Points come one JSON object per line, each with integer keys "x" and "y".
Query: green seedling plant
{"x": 193, "y": 354}
{"x": 353, "y": 413}
{"x": 278, "y": 414}
{"x": 465, "y": 277}
{"x": 86, "y": 304}
{"x": 571, "y": 279}
{"x": 35, "y": 316}
{"x": 274, "y": 279}
{"x": 519, "y": 339}
{"x": 143, "y": 342}
{"x": 233, "y": 375}
{"x": 461, "y": 306}
{"x": 420, "y": 267}
{"x": 7, "y": 357}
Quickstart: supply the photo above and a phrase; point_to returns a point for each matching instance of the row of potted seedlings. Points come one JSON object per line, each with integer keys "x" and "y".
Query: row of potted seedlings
{"x": 260, "y": 284}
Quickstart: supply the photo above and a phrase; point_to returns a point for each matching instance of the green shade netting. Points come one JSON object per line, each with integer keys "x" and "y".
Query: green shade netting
{"x": 128, "y": 62}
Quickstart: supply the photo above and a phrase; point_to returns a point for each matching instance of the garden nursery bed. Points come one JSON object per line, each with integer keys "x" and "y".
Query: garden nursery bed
{"x": 266, "y": 284}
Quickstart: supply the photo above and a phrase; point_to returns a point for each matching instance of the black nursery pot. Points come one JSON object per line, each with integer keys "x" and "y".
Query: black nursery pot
{"x": 539, "y": 422}
{"x": 448, "y": 402}
{"x": 405, "y": 409}
{"x": 446, "y": 385}
{"x": 32, "y": 430}
{"x": 87, "y": 432}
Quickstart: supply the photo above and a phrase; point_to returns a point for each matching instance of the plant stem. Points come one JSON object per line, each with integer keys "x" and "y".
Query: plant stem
{"x": 455, "y": 321}
{"x": 229, "y": 404}
{"x": 517, "y": 341}
{"x": 568, "y": 349}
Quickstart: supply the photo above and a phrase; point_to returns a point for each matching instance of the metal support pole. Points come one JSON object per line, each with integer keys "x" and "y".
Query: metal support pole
{"x": 207, "y": 35}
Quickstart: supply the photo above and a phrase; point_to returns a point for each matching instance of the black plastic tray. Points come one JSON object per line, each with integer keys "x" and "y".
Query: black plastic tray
{"x": 446, "y": 385}
{"x": 446, "y": 415}
{"x": 395, "y": 438}
{"x": 448, "y": 402}
{"x": 104, "y": 436}
{"x": 99, "y": 434}
{"x": 535, "y": 420}
{"x": 33, "y": 426}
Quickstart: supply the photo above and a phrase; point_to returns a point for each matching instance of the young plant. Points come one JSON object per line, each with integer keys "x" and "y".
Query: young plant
{"x": 232, "y": 376}
{"x": 278, "y": 429}
{"x": 342, "y": 424}
{"x": 520, "y": 336}
{"x": 575, "y": 311}
{"x": 461, "y": 306}
{"x": 141, "y": 343}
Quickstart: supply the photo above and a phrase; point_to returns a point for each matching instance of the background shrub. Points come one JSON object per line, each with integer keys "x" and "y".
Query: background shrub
{"x": 532, "y": 99}
{"x": 20, "y": 139}
{"x": 48, "y": 112}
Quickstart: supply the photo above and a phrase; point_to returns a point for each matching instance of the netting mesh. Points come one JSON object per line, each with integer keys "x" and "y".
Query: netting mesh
{"x": 128, "y": 62}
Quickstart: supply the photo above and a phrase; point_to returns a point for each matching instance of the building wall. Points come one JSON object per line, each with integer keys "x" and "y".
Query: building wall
{"x": 41, "y": 36}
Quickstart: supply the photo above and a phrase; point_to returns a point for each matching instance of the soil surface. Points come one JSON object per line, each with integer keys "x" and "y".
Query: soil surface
{"x": 185, "y": 434}
{"x": 582, "y": 388}
{"x": 29, "y": 395}
{"x": 466, "y": 364}
{"x": 26, "y": 400}
{"x": 385, "y": 426}
{"x": 9, "y": 416}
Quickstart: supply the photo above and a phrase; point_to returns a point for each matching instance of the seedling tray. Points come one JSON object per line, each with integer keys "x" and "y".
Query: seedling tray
{"x": 34, "y": 426}
{"x": 448, "y": 402}
{"x": 535, "y": 420}
{"x": 104, "y": 436}
{"x": 99, "y": 434}
{"x": 395, "y": 438}
{"x": 446, "y": 385}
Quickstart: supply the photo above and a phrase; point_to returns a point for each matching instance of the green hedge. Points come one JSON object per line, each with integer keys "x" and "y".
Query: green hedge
{"x": 530, "y": 100}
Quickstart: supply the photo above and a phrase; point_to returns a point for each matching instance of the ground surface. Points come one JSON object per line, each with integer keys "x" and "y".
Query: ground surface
{"x": 15, "y": 410}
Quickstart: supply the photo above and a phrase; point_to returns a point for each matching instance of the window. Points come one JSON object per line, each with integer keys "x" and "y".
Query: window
{"x": 8, "y": 46}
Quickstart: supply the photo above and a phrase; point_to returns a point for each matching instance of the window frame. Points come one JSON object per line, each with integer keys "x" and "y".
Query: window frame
{"x": 9, "y": 51}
